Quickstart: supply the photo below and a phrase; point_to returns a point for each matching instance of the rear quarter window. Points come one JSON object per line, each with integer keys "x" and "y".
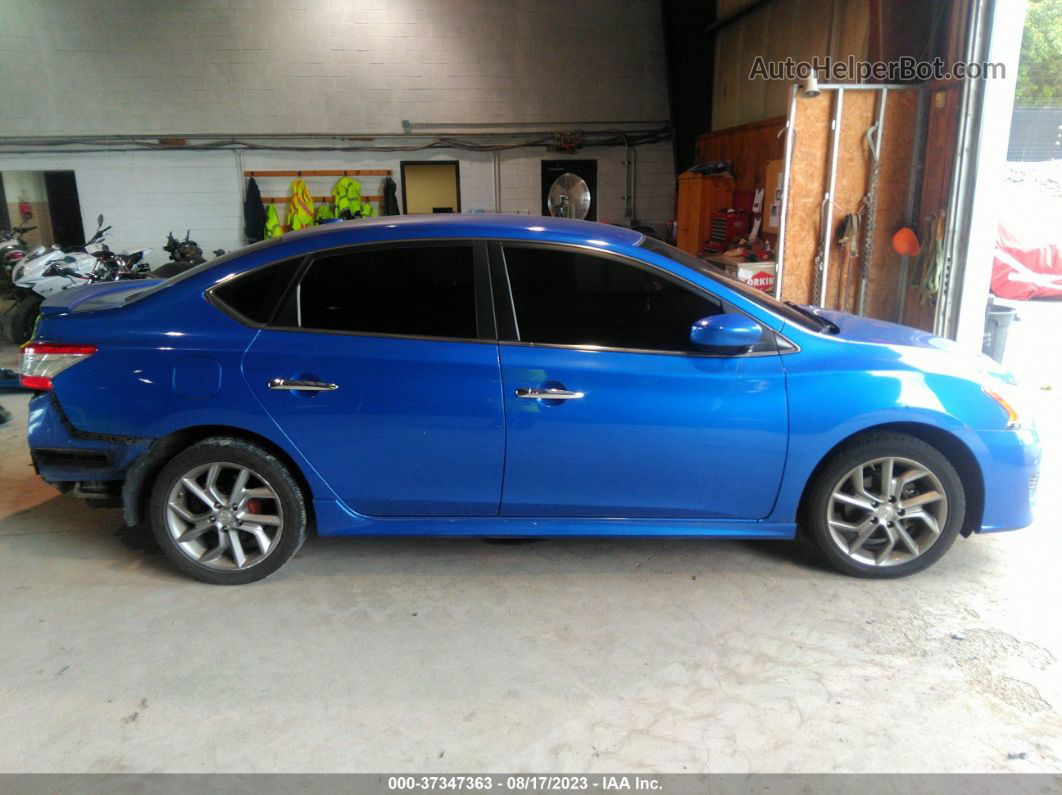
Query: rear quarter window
{"x": 254, "y": 295}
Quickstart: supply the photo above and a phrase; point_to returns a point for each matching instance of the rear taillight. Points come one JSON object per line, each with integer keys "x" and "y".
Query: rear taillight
{"x": 43, "y": 361}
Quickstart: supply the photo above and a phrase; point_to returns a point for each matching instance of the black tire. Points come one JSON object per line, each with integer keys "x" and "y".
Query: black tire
{"x": 832, "y": 476}
{"x": 267, "y": 468}
{"x": 24, "y": 318}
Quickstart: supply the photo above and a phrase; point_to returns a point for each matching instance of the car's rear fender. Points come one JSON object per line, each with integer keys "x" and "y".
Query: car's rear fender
{"x": 165, "y": 377}
{"x": 141, "y": 475}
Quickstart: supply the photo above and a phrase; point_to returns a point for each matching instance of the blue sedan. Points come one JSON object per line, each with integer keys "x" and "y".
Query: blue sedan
{"x": 512, "y": 377}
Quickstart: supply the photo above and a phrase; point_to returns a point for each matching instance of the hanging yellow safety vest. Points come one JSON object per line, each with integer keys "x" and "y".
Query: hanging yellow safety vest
{"x": 272, "y": 224}
{"x": 324, "y": 213}
{"x": 347, "y": 195}
{"x": 300, "y": 211}
{"x": 367, "y": 210}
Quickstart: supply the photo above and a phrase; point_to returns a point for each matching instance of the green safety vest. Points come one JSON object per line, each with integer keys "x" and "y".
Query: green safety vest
{"x": 272, "y": 225}
{"x": 347, "y": 195}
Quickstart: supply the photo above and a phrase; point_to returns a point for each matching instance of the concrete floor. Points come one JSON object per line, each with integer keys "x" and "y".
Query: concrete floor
{"x": 559, "y": 656}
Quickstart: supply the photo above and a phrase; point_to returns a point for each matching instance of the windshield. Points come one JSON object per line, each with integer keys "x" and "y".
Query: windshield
{"x": 789, "y": 313}
{"x": 197, "y": 269}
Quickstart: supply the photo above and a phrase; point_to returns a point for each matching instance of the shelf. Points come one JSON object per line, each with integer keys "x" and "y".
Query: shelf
{"x": 316, "y": 199}
{"x": 353, "y": 172}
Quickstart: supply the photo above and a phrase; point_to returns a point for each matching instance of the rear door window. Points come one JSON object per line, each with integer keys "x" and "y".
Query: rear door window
{"x": 418, "y": 291}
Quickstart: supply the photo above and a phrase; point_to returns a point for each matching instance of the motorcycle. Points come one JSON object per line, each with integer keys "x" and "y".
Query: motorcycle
{"x": 38, "y": 260}
{"x": 12, "y": 246}
{"x": 12, "y": 249}
{"x": 58, "y": 270}
{"x": 184, "y": 254}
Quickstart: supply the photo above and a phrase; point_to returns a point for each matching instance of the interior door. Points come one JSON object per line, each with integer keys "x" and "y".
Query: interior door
{"x": 633, "y": 422}
{"x": 382, "y": 369}
{"x": 431, "y": 187}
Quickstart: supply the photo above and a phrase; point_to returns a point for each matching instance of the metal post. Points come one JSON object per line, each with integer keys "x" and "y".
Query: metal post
{"x": 497, "y": 181}
{"x": 826, "y": 233}
{"x": 790, "y": 136}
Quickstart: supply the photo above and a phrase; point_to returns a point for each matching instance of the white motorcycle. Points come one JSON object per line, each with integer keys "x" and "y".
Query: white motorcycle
{"x": 56, "y": 269}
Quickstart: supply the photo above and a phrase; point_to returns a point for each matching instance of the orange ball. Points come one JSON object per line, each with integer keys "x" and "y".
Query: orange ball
{"x": 905, "y": 242}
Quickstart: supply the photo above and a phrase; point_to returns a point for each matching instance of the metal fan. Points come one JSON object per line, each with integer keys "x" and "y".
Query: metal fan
{"x": 569, "y": 197}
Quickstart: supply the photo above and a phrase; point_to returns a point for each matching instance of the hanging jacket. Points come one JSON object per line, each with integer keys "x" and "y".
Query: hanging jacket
{"x": 346, "y": 195}
{"x": 366, "y": 210}
{"x": 300, "y": 211}
{"x": 324, "y": 213}
{"x": 390, "y": 198}
{"x": 272, "y": 222}
{"x": 254, "y": 214}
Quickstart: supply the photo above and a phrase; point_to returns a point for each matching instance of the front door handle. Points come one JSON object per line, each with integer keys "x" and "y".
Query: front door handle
{"x": 543, "y": 393}
{"x": 300, "y": 386}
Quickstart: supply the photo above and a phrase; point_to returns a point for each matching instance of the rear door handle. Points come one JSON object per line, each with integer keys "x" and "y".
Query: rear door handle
{"x": 300, "y": 386}
{"x": 541, "y": 393}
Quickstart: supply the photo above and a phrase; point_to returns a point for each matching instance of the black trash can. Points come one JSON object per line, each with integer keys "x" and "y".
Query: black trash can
{"x": 997, "y": 322}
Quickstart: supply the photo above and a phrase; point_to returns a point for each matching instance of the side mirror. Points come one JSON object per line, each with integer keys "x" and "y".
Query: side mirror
{"x": 725, "y": 334}
{"x": 99, "y": 220}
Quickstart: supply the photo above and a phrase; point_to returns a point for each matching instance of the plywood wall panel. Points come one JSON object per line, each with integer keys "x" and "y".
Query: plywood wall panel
{"x": 807, "y": 187}
{"x": 853, "y": 170}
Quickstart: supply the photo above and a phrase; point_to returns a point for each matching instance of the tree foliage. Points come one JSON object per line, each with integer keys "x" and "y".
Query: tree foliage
{"x": 1040, "y": 66}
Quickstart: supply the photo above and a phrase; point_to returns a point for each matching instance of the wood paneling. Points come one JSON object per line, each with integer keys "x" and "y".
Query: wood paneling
{"x": 699, "y": 196}
{"x": 807, "y": 187}
{"x": 850, "y": 188}
{"x": 318, "y": 199}
{"x": 748, "y": 147}
{"x": 797, "y": 29}
{"x": 353, "y": 172}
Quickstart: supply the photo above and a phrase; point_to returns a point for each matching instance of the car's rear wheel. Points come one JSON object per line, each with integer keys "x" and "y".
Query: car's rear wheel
{"x": 886, "y": 505}
{"x": 227, "y": 512}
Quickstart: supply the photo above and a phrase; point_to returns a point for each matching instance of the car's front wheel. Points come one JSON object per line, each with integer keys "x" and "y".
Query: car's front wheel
{"x": 227, "y": 512}
{"x": 886, "y": 505}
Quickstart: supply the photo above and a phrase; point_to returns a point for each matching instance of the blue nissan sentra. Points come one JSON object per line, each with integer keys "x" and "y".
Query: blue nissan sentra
{"x": 512, "y": 377}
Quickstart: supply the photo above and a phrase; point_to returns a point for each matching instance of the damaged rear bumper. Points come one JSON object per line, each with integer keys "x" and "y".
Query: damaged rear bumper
{"x": 68, "y": 458}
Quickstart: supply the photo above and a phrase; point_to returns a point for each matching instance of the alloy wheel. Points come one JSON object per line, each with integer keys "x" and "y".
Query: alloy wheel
{"x": 887, "y": 511}
{"x": 224, "y": 516}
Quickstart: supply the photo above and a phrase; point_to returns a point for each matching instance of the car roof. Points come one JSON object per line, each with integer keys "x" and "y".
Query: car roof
{"x": 519, "y": 227}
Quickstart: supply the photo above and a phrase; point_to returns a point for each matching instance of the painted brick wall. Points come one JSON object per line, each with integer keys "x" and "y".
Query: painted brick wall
{"x": 146, "y": 194}
{"x": 298, "y": 66}
{"x": 227, "y": 66}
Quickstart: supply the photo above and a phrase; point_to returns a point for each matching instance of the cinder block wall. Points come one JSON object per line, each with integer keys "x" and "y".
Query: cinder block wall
{"x": 322, "y": 66}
